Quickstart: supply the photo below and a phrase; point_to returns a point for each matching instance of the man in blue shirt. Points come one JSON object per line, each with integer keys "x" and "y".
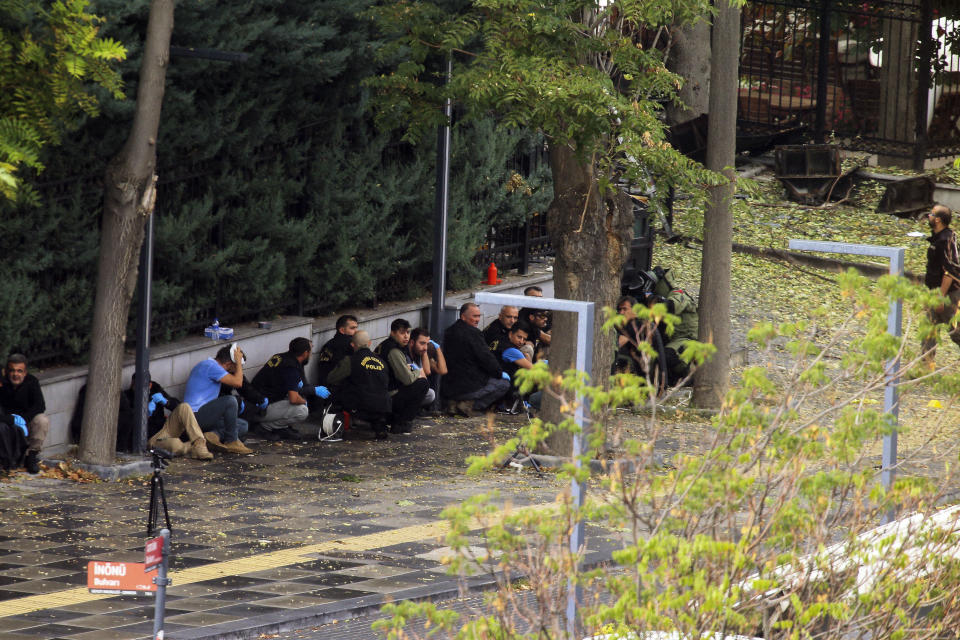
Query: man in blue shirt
{"x": 216, "y": 414}
{"x": 512, "y": 358}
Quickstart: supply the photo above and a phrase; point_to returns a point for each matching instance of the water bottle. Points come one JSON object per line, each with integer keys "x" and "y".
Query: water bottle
{"x": 216, "y": 329}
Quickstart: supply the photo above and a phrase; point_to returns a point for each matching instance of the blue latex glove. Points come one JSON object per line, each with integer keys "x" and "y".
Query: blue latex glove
{"x": 546, "y": 362}
{"x": 158, "y": 398}
{"x": 322, "y": 392}
{"x": 414, "y": 366}
{"x": 299, "y": 385}
{"x": 151, "y": 407}
{"x": 263, "y": 405}
{"x": 20, "y": 422}
{"x": 505, "y": 375}
{"x": 435, "y": 345}
{"x": 242, "y": 406}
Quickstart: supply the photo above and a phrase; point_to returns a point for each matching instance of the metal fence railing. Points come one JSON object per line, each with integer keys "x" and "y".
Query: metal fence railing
{"x": 877, "y": 75}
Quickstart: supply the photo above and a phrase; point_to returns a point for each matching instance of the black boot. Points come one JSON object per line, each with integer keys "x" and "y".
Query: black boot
{"x": 31, "y": 463}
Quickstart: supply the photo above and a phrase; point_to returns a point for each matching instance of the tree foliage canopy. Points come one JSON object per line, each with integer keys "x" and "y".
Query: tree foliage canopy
{"x": 52, "y": 60}
{"x": 589, "y": 75}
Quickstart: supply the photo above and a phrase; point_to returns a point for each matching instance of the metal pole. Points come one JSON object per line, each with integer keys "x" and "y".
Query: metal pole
{"x": 586, "y": 313}
{"x": 823, "y": 59}
{"x": 891, "y": 404}
{"x": 142, "y": 366}
{"x": 440, "y": 216}
{"x": 162, "y": 583}
{"x": 578, "y": 491}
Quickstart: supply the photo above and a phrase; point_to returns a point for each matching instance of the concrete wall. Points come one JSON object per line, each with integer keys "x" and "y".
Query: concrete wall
{"x": 170, "y": 364}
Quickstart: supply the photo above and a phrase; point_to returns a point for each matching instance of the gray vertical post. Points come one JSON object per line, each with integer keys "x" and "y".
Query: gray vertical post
{"x": 891, "y": 403}
{"x": 440, "y": 216}
{"x": 585, "y": 321}
{"x": 142, "y": 366}
{"x": 162, "y": 583}
{"x": 586, "y": 313}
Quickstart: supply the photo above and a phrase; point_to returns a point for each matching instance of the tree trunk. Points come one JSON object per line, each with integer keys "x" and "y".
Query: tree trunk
{"x": 690, "y": 59}
{"x": 712, "y": 379}
{"x": 129, "y": 195}
{"x": 591, "y": 235}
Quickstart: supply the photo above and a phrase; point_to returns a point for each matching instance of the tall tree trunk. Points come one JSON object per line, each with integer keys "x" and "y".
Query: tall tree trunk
{"x": 690, "y": 59}
{"x": 129, "y": 195}
{"x": 712, "y": 379}
{"x": 590, "y": 232}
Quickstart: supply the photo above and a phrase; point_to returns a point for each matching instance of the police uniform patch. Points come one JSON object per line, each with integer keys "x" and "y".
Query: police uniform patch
{"x": 374, "y": 364}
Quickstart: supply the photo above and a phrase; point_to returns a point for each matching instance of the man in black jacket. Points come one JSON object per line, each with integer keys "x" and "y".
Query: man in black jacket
{"x": 475, "y": 380}
{"x": 943, "y": 275}
{"x": 336, "y": 348}
{"x": 496, "y": 332}
{"x": 20, "y": 395}
{"x": 13, "y": 441}
{"x": 283, "y": 381}
{"x": 364, "y": 385}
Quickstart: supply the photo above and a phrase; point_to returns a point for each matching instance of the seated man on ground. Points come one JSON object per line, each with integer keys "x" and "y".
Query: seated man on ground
{"x": 21, "y": 396}
{"x": 283, "y": 380}
{"x": 475, "y": 381}
{"x": 426, "y": 353}
{"x": 539, "y": 339}
{"x": 512, "y": 358}
{"x": 165, "y": 432}
{"x": 216, "y": 414}
{"x": 364, "y": 385}
{"x": 408, "y": 384}
{"x": 496, "y": 331}
{"x": 336, "y": 348}
{"x": 630, "y": 359}
{"x": 13, "y": 441}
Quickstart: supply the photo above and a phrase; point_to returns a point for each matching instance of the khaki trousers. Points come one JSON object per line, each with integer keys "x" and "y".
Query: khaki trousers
{"x": 181, "y": 421}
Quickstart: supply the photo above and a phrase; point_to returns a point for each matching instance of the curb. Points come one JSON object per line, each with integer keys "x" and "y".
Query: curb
{"x": 350, "y": 608}
{"x": 113, "y": 472}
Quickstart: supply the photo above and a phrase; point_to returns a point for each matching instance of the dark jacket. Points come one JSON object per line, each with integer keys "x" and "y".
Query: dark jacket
{"x": 125, "y": 420}
{"x": 365, "y": 386}
{"x": 383, "y": 350}
{"x": 276, "y": 376}
{"x": 495, "y": 334}
{"x": 154, "y": 422}
{"x": 941, "y": 258}
{"x": 13, "y": 444}
{"x": 26, "y": 400}
{"x": 469, "y": 360}
{"x": 333, "y": 351}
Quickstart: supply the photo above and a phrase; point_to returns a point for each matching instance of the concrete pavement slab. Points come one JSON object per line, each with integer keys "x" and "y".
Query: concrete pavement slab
{"x": 298, "y": 530}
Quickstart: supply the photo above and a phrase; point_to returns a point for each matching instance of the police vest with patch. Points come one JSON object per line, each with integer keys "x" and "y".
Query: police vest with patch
{"x": 270, "y": 379}
{"x": 369, "y": 382}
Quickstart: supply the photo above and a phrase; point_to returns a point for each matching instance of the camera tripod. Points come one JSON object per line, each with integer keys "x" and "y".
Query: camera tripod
{"x": 158, "y": 499}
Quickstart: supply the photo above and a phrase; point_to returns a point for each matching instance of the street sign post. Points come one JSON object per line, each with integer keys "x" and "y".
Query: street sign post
{"x": 161, "y": 582}
{"x": 153, "y": 553}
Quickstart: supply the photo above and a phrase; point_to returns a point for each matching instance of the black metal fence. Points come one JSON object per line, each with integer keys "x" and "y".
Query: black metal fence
{"x": 514, "y": 247}
{"x": 877, "y": 75}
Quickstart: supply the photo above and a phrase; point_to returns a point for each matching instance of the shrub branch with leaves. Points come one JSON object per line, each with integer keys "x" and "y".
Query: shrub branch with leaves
{"x": 765, "y": 524}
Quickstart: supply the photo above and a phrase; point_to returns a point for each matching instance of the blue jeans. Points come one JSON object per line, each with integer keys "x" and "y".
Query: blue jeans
{"x": 220, "y": 416}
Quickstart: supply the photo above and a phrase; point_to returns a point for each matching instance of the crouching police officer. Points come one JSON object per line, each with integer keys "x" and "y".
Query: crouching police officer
{"x": 679, "y": 303}
{"x": 364, "y": 385}
{"x": 283, "y": 381}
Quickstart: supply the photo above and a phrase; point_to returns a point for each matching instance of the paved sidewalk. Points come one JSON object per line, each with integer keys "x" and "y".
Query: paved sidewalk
{"x": 298, "y": 533}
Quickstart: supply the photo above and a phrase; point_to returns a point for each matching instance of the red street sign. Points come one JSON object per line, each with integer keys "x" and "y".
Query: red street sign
{"x": 119, "y": 578}
{"x": 153, "y": 553}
